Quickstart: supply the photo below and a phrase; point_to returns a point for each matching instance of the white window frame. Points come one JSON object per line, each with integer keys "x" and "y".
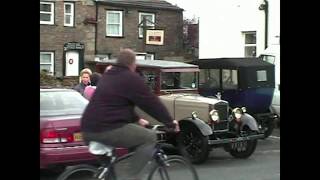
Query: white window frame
{"x": 120, "y": 24}
{"x": 147, "y": 23}
{"x": 51, "y": 13}
{"x": 145, "y": 56}
{"x": 150, "y": 56}
{"x": 51, "y": 63}
{"x": 71, "y": 14}
{"x": 249, "y": 45}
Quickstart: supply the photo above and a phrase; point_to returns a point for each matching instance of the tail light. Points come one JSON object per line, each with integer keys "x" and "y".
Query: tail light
{"x": 49, "y": 136}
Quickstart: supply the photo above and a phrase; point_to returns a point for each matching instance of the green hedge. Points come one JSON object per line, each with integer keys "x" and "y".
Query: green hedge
{"x": 47, "y": 80}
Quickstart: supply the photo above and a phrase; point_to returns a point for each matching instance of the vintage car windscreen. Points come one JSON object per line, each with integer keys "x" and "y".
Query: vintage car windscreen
{"x": 268, "y": 58}
{"x": 58, "y": 103}
{"x": 178, "y": 80}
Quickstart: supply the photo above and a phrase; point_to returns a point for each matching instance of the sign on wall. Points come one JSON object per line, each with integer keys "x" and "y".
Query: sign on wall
{"x": 154, "y": 36}
{"x": 73, "y": 46}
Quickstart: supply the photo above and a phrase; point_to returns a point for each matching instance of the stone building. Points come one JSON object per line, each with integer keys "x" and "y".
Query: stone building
{"x": 77, "y": 33}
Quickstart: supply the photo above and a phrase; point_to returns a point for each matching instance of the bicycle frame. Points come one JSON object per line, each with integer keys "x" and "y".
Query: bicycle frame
{"x": 159, "y": 157}
{"x": 106, "y": 168}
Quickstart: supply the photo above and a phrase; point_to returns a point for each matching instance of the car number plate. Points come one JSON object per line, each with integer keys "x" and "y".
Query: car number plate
{"x": 77, "y": 137}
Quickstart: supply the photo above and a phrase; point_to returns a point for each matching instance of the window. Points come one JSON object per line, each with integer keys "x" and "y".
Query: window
{"x": 68, "y": 14}
{"x": 141, "y": 56}
{"x": 250, "y": 44}
{"x": 145, "y": 56}
{"x": 262, "y": 75}
{"x": 46, "y": 13}
{"x": 150, "y": 18}
{"x": 114, "y": 23}
{"x": 178, "y": 80}
{"x": 150, "y": 56}
{"x": 57, "y": 103}
{"x": 229, "y": 79}
{"x": 102, "y": 57}
{"x": 269, "y": 58}
{"x": 47, "y": 62}
{"x": 209, "y": 78}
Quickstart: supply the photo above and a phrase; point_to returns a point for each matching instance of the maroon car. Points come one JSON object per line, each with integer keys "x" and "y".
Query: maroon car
{"x": 61, "y": 142}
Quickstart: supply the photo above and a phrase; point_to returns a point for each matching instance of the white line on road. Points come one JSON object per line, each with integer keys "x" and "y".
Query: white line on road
{"x": 270, "y": 151}
{"x": 275, "y": 137}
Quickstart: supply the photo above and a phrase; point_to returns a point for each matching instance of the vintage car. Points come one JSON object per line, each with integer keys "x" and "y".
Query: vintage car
{"x": 205, "y": 123}
{"x": 248, "y": 82}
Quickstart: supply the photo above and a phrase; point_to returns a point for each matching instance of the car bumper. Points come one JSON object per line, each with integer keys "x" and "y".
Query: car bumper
{"x": 233, "y": 140}
{"x": 276, "y": 109}
{"x": 69, "y": 155}
{"x": 66, "y": 155}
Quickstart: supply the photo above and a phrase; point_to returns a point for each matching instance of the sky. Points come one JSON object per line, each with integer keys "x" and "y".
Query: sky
{"x": 191, "y": 7}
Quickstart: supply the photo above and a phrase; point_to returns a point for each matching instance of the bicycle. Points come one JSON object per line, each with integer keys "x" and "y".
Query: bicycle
{"x": 164, "y": 167}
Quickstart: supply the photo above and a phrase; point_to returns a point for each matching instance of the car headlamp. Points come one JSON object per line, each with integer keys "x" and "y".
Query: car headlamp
{"x": 194, "y": 115}
{"x": 237, "y": 112}
{"x": 214, "y": 115}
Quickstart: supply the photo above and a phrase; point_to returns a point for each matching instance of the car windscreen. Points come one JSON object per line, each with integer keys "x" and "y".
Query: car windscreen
{"x": 178, "y": 80}
{"x": 58, "y": 103}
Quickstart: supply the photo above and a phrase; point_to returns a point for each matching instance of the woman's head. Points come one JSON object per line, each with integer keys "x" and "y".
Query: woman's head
{"x": 85, "y": 75}
{"x": 95, "y": 77}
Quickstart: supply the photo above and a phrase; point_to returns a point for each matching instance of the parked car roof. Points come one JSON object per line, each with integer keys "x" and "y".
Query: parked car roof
{"x": 158, "y": 4}
{"x": 54, "y": 89}
{"x": 156, "y": 64}
{"x": 230, "y": 62}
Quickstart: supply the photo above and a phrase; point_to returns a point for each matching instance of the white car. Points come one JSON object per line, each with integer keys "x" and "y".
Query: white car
{"x": 275, "y": 106}
{"x": 272, "y": 55}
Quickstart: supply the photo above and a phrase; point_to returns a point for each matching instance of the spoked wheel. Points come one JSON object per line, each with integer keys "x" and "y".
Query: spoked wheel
{"x": 175, "y": 168}
{"x": 79, "y": 172}
{"x": 193, "y": 145}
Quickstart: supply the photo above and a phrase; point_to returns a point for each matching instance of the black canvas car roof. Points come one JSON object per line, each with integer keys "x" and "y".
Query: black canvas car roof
{"x": 230, "y": 62}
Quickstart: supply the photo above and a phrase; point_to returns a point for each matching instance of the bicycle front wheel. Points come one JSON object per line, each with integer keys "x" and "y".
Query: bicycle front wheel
{"x": 79, "y": 172}
{"x": 176, "y": 168}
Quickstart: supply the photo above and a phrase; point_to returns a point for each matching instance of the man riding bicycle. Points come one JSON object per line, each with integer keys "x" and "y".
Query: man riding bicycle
{"x": 110, "y": 117}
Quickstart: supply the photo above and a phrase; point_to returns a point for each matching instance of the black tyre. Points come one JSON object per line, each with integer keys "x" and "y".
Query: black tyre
{"x": 269, "y": 126}
{"x": 192, "y": 144}
{"x": 243, "y": 149}
{"x": 79, "y": 172}
{"x": 177, "y": 168}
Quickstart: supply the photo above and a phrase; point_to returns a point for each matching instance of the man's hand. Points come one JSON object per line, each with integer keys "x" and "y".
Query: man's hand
{"x": 143, "y": 122}
{"x": 177, "y": 129}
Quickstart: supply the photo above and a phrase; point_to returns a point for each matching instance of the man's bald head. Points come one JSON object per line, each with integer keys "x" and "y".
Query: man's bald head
{"x": 126, "y": 57}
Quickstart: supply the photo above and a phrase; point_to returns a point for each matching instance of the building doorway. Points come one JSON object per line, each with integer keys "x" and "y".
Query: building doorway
{"x": 72, "y": 63}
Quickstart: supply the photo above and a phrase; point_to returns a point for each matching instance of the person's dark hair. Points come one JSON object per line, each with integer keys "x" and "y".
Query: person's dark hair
{"x": 95, "y": 77}
{"x": 126, "y": 57}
